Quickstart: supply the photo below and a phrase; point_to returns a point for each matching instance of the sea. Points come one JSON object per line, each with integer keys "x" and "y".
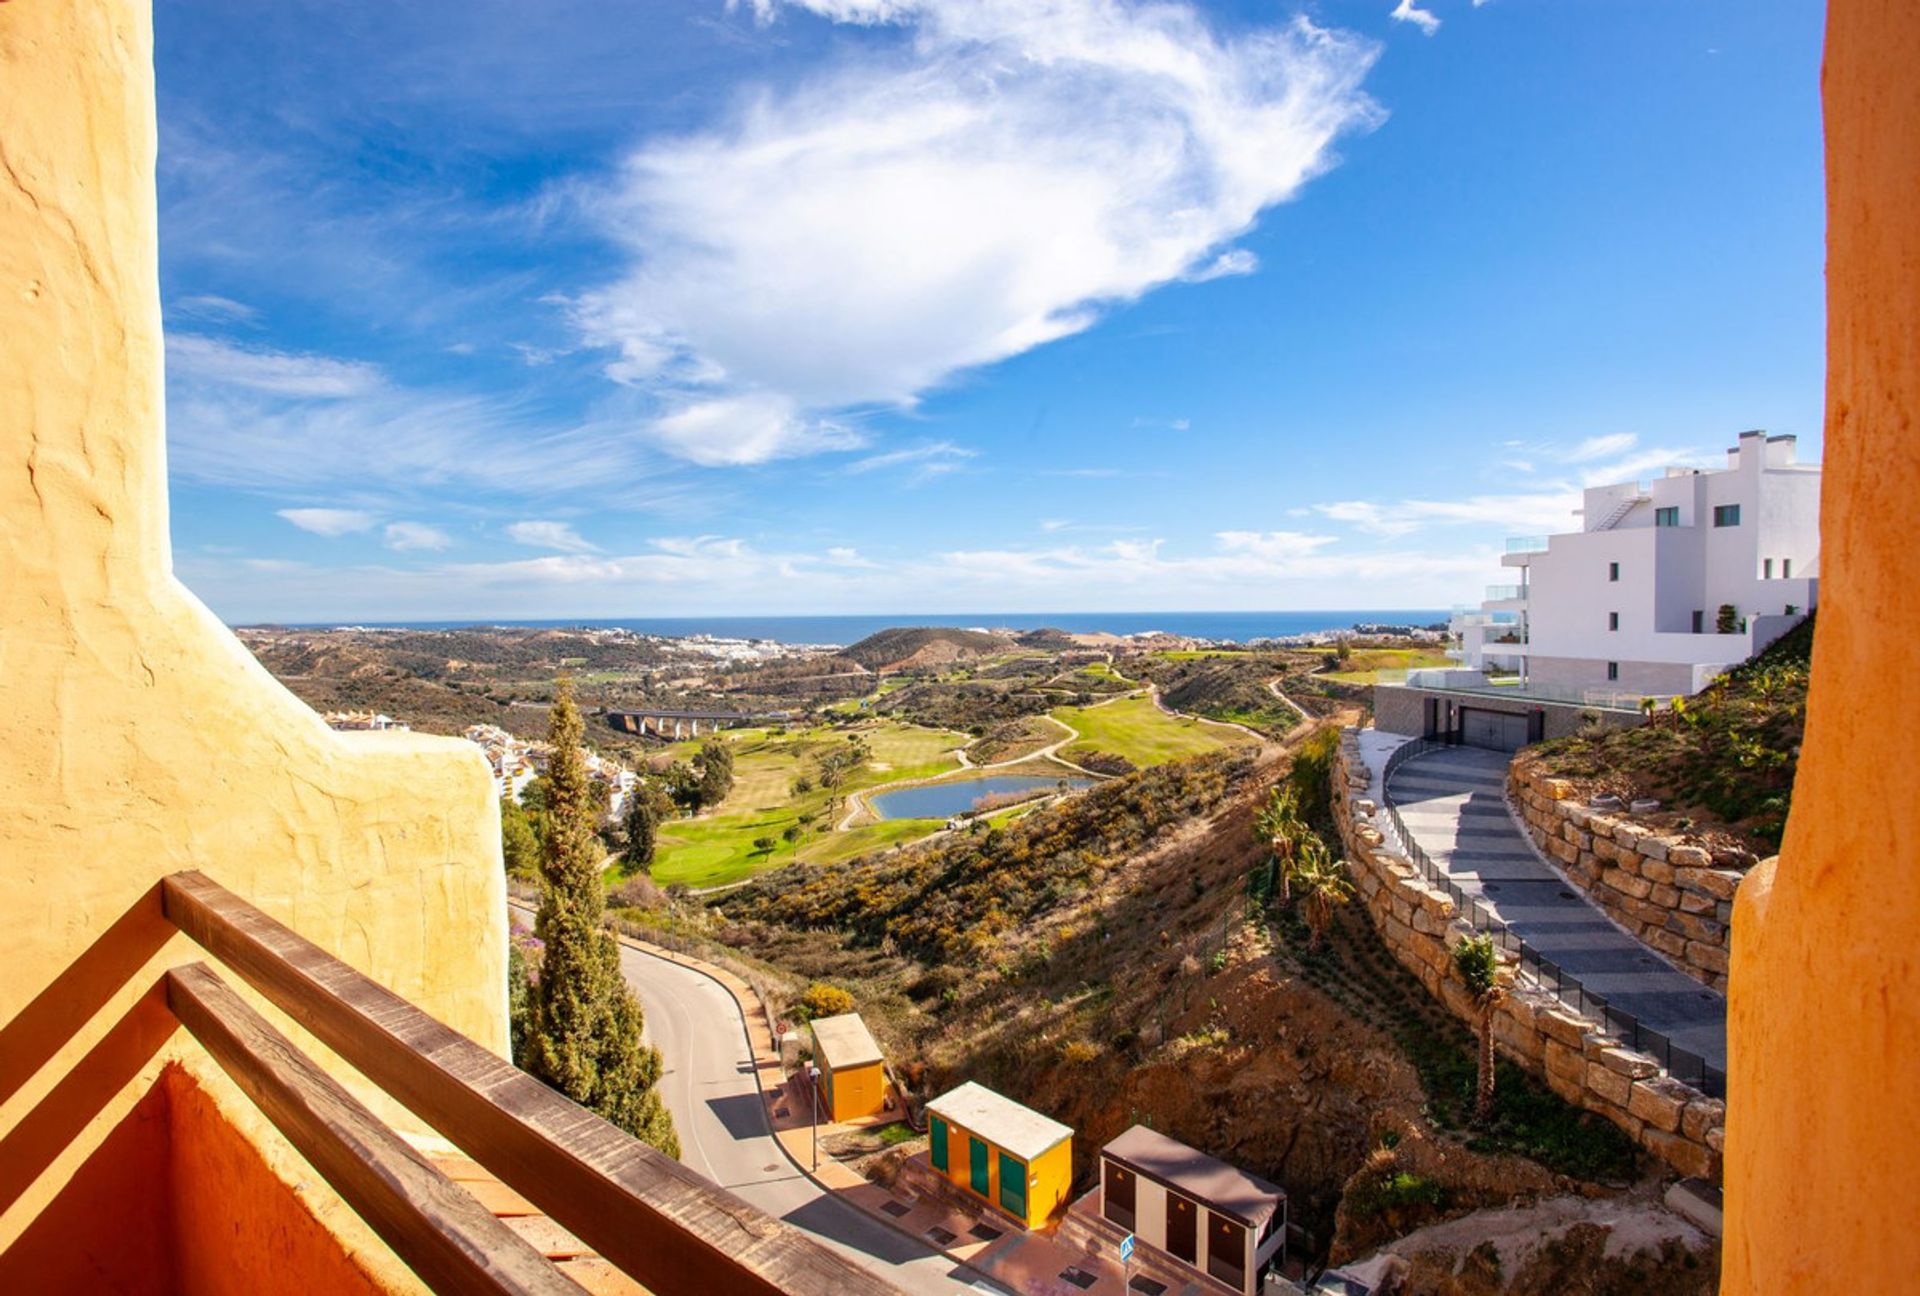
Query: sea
{"x": 1230, "y": 627}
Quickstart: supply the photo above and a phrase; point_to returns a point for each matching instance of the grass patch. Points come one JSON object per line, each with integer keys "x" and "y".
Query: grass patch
{"x": 1141, "y": 732}
{"x": 718, "y": 847}
{"x": 1365, "y": 664}
{"x": 1727, "y": 757}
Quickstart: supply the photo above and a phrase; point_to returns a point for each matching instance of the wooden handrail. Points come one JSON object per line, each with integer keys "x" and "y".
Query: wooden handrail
{"x": 649, "y": 1216}
{"x": 439, "y": 1228}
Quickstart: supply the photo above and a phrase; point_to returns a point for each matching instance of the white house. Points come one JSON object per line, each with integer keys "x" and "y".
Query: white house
{"x": 1666, "y": 585}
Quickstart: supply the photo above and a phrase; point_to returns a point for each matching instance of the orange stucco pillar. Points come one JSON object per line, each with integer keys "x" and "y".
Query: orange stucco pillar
{"x": 1824, "y": 1012}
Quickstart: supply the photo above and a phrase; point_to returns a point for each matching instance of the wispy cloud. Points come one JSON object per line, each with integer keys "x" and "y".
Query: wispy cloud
{"x": 1601, "y": 447}
{"x": 749, "y": 428}
{"x": 1408, "y": 12}
{"x": 1234, "y": 261}
{"x": 415, "y": 537}
{"x": 1368, "y": 516}
{"x": 558, "y": 536}
{"x": 1234, "y": 568}
{"x": 994, "y": 183}
{"x": 278, "y": 373}
{"x": 213, "y": 309}
{"x": 331, "y": 522}
{"x": 925, "y": 461}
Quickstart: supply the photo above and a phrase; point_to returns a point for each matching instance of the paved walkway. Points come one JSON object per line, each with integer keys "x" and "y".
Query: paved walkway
{"x": 1453, "y": 804}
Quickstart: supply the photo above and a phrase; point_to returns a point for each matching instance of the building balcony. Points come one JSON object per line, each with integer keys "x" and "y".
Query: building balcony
{"x": 1526, "y": 544}
{"x": 1506, "y": 593}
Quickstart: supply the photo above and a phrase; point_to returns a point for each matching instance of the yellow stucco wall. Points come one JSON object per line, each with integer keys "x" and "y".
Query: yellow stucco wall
{"x": 1823, "y": 1113}
{"x": 1049, "y": 1175}
{"x": 140, "y": 737}
{"x": 855, "y": 1091}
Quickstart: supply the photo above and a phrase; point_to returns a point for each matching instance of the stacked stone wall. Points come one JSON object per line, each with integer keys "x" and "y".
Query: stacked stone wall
{"x": 1573, "y": 1054}
{"x": 1667, "y": 893}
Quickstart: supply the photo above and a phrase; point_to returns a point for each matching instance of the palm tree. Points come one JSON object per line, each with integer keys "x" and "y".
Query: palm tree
{"x": 1323, "y": 884}
{"x": 1478, "y": 963}
{"x": 1280, "y": 826}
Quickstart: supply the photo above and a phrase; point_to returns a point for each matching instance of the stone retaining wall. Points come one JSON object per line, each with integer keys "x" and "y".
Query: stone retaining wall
{"x": 1666, "y": 893}
{"x": 1575, "y": 1055}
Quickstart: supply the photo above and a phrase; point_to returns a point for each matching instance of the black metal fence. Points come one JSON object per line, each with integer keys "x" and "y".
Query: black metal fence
{"x": 1682, "y": 1064}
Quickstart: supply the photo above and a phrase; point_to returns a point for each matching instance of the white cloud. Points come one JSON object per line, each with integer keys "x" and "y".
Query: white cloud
{"x": 558, "y": 536}
{"x": 1408, "y": 11}
{"x": 331, "y": 522}
{"x": 278, "y": 373}
{"x": 1601, "y": 447}
{"x": 932, "y": 204}
{"x": 415, "y": 537}
{"x": 926, "y": 461}
{"x": 214, "y": 308}
{"x": 1642, "y": 463}
{"x": 1547, "y": 509}
{"x": 685, "y": 574}
{"x": 1234, "y": 261}
{"x": 747, "y": 429}
{"x": 1367, "y": 516}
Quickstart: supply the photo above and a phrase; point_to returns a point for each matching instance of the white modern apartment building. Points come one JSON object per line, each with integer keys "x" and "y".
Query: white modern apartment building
{"x": 1665, "y": 585}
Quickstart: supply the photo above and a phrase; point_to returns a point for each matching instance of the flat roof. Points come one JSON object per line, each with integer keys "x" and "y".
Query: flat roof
{"x": 845, "y": 1041}
{"x": 1208, "y": 1180}
{"x": 1000, "y": 1120}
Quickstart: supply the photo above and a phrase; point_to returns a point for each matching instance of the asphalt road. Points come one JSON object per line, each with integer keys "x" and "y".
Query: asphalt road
{"x": 708, "y": 1085}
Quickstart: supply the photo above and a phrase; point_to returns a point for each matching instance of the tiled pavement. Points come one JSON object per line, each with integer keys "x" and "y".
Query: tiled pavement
{"x": 1453, "y": 804}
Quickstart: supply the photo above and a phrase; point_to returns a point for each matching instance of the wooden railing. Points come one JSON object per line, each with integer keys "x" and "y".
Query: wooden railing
{"x": 654, "y": 1219}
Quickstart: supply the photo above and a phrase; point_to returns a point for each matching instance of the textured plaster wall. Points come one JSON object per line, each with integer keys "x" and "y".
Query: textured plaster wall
{"x": 1824, "y": 1010}
{"x": 140, "y": 737}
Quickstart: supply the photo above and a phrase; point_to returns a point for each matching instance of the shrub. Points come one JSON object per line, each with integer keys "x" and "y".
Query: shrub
{"x": 1399, "y": 1190}
{"x": 1079, "y": 1052}
{"x": 822, "y": 1000}
{"x": 637, "y": 892}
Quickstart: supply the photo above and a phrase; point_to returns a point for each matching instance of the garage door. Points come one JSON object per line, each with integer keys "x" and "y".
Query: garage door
{"x": 1497, "y": 730}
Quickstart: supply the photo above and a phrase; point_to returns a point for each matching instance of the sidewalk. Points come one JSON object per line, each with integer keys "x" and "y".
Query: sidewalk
{"x": 980, "y": 1240}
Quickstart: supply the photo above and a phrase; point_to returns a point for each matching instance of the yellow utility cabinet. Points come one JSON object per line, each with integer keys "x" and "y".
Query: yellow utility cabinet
{"x": 853, "y": 1080}
{"x": 1008, "y": 1155}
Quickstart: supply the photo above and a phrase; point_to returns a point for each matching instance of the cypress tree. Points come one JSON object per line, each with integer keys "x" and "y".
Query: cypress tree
{"x": 583, "y": 1035}
{"x": 643, "y": 816}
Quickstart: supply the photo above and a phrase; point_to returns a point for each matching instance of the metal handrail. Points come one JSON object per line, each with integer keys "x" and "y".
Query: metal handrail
{"x": 1682, "y": 1064}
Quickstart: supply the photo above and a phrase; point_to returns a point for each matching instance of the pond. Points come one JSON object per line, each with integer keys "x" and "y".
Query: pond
{"x": 944, "y": 800}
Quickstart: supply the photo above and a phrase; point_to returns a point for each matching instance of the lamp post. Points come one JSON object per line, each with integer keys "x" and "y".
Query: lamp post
{"x": 813, "y": 1108}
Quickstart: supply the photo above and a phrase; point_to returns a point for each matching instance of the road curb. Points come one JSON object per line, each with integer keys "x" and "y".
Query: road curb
{"x": 719, "y": 976}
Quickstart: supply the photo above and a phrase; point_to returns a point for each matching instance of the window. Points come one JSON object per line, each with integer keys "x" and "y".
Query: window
{"x": 1786, "y": 569}
{"x": 1699, "y": 621}
{"x": 1613, "y": 571}
{"x": 1766, "y": 569}
{"x": 1613, "y": 620}
{"x": 1613, "y": 670}
{"x": 1726, "y": 515}
{"x": 1667, "y": 516}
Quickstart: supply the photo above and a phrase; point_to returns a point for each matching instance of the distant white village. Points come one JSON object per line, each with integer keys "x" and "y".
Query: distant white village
{"x": 515, "y": 762}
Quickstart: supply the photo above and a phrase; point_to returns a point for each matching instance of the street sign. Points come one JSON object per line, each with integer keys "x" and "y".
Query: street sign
{"x": 1126, "y": 1248}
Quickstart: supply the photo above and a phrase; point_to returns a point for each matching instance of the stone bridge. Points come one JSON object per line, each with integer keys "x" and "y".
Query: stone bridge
{"x": 665, "y": 723}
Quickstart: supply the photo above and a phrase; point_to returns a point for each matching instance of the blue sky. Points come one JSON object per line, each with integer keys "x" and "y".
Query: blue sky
{"x": 815, "y": 306}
